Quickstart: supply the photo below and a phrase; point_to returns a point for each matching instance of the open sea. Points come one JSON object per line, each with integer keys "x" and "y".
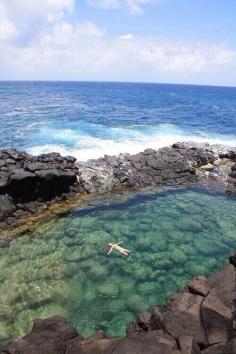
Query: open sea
{"x": 90, "y": 119}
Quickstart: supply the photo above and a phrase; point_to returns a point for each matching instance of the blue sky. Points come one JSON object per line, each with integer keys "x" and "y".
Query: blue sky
{"x": 179, "y": 41}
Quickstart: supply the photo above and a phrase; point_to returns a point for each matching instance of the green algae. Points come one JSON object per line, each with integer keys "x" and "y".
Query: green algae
{"x": 62, "y": 268}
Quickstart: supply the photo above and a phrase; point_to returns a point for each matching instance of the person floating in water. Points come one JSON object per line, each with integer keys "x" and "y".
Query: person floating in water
{"x": 116, "y": 246}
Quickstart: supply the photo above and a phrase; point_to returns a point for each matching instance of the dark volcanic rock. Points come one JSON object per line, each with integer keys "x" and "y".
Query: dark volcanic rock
{"x": 25, "y": 178}
{"x": 231, "y": 188}
{"x": 49, "y": 336}
{"x": 188, "y": 345}
{"x": 171, "y": 166}
{"x": 183, "y": 317}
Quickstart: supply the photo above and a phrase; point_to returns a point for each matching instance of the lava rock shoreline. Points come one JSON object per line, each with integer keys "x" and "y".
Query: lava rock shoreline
{"x": 29, "y": 184}
{"x": 198, "y": 319}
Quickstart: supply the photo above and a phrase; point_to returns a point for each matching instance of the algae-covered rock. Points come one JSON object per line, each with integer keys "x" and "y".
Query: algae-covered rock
{"x": 146, "y": 288}
{"x": 178, "y": 256}
{"x": 211, "y": 247}
{"x": 136, "y": 303}
{"x": 97, "y": 271}
{"x": 126, "y": 285}
{"x": 117, "y": 327}
{"x": 107, "y": 289}
{"x": 189, "y": 225}
{"x": 143, "y": 243}
{"x": 116, "y": 305}
{"x": 163, "y": 263}
{"x": 194, "y": 269}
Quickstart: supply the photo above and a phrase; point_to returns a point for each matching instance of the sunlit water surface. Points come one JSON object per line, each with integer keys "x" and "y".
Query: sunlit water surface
{"x": 63, "y": 267}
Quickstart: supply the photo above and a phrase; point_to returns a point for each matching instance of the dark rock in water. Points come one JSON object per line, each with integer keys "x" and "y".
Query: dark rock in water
{"x": 232, "y": 260}
{"x": 188, "y": 324}
{"x": 141, "y": 324}
{"x": 231, "y": 187}
{"x": 47, "y": 336}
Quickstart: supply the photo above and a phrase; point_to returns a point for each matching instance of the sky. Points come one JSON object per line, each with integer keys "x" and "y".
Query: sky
{"x": 167, "y": 41}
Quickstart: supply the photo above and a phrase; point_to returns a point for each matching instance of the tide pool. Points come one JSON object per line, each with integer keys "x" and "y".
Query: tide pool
{"x": 63, "y": 268}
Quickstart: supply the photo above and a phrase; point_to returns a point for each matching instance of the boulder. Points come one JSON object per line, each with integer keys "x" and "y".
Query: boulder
{"x": 218, "y": 307}
{"x": 155, "y": 342}
{"x": 199, "y": 286}
{"x": 183, "y": 317}
{"x": 188, "y": 345}
{"x": 216, "y": 318}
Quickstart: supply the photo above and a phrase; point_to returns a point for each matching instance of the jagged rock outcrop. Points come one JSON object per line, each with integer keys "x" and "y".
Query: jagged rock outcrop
{"x": 28, "y": 183}
{"x": 170, "y": 166}
{"x": 199, "y": 319}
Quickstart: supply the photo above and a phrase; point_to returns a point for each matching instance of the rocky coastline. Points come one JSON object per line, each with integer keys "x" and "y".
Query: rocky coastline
{"x": 199, "y": 318}
{"x": 29, "y": 184}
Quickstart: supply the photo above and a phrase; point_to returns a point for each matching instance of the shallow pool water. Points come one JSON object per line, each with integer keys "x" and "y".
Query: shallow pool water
{"x": 63, "y": 267}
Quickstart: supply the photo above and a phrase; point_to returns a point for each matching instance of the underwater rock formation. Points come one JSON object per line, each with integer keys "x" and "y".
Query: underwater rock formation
{"x": 28, "y": 183}
{"x": 198, "y": 319}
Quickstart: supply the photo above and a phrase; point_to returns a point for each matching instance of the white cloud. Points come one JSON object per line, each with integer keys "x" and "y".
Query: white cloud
{"x": 25, "y": 16}
{"x": 127, "y": 37}
{"x": 88, "y": 28}
{"x": 135, "y": 6}
{"x": 7, "y": 30}
{"x": 83, "y": 52}
{"x": 106, "y": 4}
{"x": 38, "y": 42}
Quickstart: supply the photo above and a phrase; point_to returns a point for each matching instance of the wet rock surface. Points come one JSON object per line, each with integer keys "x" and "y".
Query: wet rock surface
{"x": 190, "y": 323}
{"x": 28, "y": 183}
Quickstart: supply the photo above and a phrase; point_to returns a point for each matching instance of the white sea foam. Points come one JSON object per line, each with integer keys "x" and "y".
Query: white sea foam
{"x": 120, "y": 140}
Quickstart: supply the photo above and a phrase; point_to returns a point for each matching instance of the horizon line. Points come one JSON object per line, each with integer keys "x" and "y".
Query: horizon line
{"x": 119, "y": 82}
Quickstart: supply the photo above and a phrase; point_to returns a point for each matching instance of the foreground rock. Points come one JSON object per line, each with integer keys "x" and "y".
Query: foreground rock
{"x": 28, "y": 183}
{"x": 198, "y": 319}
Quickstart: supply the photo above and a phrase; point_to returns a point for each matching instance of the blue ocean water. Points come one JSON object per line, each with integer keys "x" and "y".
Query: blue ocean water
{"x": 89, "y": 120}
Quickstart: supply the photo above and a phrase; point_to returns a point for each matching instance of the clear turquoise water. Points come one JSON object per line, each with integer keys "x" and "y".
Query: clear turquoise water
{"x": 62, "y": 268}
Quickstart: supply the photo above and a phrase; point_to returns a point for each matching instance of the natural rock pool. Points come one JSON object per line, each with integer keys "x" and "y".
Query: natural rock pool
{"x": 63, "y": 267}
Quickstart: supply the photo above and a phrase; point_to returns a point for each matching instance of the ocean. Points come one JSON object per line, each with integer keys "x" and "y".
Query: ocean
{"x": 90, "y": 119}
